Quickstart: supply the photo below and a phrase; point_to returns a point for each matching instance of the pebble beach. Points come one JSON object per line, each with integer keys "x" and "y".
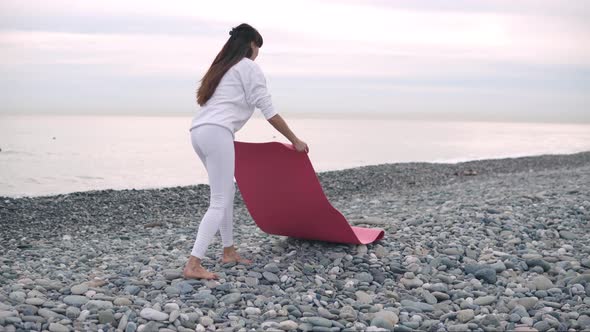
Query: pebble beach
{"x": 486, "y": 245}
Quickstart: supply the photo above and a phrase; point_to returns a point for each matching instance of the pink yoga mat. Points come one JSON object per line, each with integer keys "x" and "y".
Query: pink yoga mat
{"x": 284, "y": 196}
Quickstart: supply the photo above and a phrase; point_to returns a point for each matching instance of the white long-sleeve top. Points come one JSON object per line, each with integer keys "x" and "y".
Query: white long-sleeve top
{"x": 241, "y": 89}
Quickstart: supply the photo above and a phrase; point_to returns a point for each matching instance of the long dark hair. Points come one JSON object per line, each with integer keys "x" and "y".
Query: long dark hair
{"x": 235, "y": 49}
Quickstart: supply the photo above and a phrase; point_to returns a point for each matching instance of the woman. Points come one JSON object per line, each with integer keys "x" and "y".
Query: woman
{"x": 230, "y": 90}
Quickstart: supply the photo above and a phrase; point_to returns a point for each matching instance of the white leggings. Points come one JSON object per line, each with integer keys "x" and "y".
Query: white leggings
{"x": 215, "y": 147}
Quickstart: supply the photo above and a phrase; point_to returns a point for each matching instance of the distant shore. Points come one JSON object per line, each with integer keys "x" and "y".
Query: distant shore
{"x": 396, "y": 174}
{"x": 183, "y": 201}
{"x": 486, "y": 245}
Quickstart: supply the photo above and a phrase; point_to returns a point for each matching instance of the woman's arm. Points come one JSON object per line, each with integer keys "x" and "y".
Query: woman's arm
{"x": 279, "y": 123}
{"x": 257, "y": 95}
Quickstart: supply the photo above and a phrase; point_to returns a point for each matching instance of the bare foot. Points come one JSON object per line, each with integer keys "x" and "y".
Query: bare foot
{"x": 198, "y": 273}
{"x": 230, "y": 255}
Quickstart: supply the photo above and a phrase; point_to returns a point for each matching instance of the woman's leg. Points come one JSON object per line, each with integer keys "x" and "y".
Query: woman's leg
{"x": 217, "y": 148}
{"x": 226, "y": 227}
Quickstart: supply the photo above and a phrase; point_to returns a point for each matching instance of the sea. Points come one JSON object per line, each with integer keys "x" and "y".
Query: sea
{"x": 42, "y": 155}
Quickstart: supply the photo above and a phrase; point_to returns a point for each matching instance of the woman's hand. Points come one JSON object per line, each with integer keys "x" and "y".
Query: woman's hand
{"x": 301, "y": 146}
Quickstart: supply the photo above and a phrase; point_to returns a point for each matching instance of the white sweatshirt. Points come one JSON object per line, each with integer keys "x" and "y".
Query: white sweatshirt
{"x": 241, "y": 89}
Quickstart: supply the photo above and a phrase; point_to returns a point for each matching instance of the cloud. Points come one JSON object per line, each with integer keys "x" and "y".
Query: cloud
{"x": 132, "y": 54}
{"x": 459, "y": 51}
{"x": 354, "y": 28}
{"x": 573, "y": 9}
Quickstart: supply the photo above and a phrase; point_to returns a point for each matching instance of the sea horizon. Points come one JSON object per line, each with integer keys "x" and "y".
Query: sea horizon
{"x": 401, "y": 116}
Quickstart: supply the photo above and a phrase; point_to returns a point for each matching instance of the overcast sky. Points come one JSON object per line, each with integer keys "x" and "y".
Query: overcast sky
{"x": 509, "y": 60}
